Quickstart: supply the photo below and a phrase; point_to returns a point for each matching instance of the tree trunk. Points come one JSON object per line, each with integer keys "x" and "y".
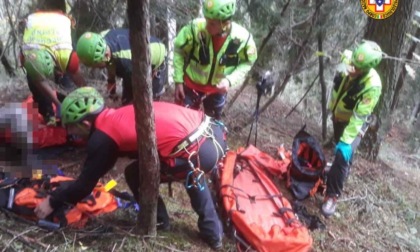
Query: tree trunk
{"x": 253, "y": 69}
{"x": 293, "y": 67}
{"x": 401, "y": 78}
{"x": 323, "y": 87}
{"x": 321, "y": 20}
{"x": 138, "y": 18}
{"x": 9, "y": 69}
{"x": 415, "y": 112}
{"x": 390, "y": 35}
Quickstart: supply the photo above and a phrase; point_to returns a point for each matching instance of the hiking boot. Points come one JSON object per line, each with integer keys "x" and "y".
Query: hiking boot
{"x": 329, "y": 206}
{"x": 216, "y": 245}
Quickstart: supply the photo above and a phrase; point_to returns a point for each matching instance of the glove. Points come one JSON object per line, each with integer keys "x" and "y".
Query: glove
{"x": 223, "y": 86}
{"x": 345, "y": 150}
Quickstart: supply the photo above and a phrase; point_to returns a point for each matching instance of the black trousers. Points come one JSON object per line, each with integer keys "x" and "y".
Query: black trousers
{"x": 45, "y": 104}
{"x": 158, "y": 83}
{"x": 340, "y": 169}
{"x": 213, "y": 104}
{"x": 209, "y": 154}
{"x": 45, "y": 107}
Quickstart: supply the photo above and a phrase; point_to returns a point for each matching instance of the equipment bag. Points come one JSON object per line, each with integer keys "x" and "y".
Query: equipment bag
{"x": 306, "y": 172}
{"x": 21, "y": 196}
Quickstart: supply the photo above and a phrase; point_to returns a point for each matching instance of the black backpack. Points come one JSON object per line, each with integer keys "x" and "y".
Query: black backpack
{"x": 306, "y": 171}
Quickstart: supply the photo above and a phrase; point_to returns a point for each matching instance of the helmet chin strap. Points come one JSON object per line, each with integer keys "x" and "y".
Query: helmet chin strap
{"x": 107, "y": 55}
{"x": 225, "y": 29}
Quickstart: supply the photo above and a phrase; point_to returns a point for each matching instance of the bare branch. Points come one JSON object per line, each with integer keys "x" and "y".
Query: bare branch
{"x": 303, "y": 97}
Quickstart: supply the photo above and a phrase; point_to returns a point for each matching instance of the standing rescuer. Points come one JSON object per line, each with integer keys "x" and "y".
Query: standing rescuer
{"x": 353, "y": 99}
{"x": 211, "y": 55}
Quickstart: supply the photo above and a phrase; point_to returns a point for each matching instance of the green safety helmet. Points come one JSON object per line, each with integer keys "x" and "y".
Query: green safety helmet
{"x": 91, "y": 48}
{"x": 80, "y": 103}
{"x": 157, "y": 54}
{"x": 219, "y": 9}
{"x": 39, "y": 64}
{"x": 367, "y": 55}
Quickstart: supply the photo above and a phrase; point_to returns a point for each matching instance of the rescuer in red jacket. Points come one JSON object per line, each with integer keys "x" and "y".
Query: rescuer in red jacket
{"x": 186, "y": 139}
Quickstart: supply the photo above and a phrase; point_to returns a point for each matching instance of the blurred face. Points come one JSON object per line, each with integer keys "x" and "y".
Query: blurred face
{"x": 81, "y": 129}
{"x": 217, "y": 27}
{"x": 354, "y": 71}
{"x": 155, "y": 73}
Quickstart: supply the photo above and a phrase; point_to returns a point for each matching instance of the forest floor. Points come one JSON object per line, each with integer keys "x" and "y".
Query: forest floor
{"x": 379, "y": 210}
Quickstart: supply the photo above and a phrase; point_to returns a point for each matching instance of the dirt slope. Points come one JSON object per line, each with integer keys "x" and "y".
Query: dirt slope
{"x": 379, "y": 210}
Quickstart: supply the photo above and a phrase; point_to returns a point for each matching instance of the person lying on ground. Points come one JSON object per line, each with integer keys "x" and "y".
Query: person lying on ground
{"x": 17, "y": 142}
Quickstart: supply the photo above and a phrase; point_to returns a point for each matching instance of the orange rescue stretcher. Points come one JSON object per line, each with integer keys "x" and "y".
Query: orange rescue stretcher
{"x": 257, "y": 213}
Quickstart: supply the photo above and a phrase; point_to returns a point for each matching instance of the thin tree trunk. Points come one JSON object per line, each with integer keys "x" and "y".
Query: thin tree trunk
{"x": 415, "y": 112}
{"x": 9, "y": 69}
{"x": 323, "y": 88}
{"x": 14, "y": 33}
{"x": 401, "y": 78}
{"x": 303, "y": 97}
{"x": 296, "y": 64}
{"x": 138, "y": 16}
{"x": 320, "y": 36}
{"x": 247, "y": 80}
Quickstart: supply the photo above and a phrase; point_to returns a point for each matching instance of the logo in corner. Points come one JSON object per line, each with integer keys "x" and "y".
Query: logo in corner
{"x": 379, "y": 9}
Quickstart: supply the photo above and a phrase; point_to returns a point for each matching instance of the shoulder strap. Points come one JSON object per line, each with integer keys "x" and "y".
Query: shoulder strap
{"x": 193, "y": 45}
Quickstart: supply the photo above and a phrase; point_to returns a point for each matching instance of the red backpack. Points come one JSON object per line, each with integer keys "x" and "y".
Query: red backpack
{"x": 306, "y": 171}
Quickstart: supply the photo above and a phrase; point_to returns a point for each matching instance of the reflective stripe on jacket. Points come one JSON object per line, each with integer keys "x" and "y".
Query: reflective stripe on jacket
{"x": 353, "y": 100}
{"x": 118, "y": 41}
{"x": 50, "y": 31}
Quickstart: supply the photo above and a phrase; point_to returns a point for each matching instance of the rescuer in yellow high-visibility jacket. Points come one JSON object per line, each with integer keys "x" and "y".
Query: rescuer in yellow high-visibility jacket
{"x": 353, "y": 99}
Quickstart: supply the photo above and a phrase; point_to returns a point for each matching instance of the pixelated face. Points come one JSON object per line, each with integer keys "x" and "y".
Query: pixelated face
{"x": 215, "y": 27}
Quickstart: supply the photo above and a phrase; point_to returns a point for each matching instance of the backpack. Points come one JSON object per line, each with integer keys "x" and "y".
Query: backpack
{"x": 306, "y": 171}
{"x": 21, "y": 196}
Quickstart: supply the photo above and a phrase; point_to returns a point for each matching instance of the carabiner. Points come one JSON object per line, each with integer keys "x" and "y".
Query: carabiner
{"x": 196, "y": 177}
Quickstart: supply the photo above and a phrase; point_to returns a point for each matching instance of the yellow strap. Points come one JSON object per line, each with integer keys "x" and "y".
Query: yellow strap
{"x": 111, "y": 184}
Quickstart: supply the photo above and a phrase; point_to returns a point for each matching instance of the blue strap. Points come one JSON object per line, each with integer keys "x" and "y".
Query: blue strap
{"x": 126, "y": 204}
